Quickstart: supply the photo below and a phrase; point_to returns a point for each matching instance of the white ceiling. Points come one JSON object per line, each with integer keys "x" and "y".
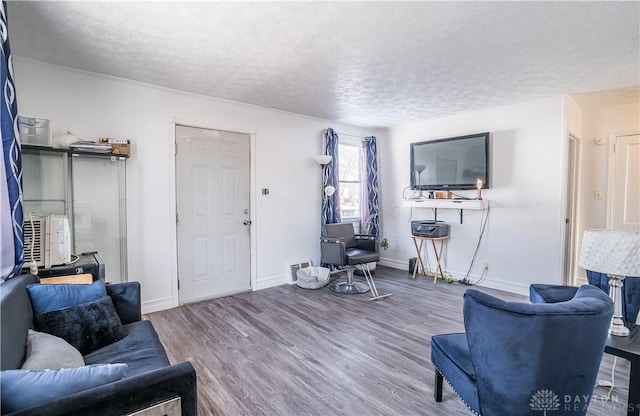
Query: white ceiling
{"x": 371, "y": 64}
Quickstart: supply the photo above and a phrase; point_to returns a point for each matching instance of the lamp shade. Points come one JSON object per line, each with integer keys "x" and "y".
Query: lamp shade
{"x": 613, "y": 252}
{"x": 323, "y": 159}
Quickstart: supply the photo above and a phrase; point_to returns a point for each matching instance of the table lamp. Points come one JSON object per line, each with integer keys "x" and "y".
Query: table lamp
{"x": 420, "y": 169}
{"x": 479, "y": 184}
{"x": 617, "y": 254}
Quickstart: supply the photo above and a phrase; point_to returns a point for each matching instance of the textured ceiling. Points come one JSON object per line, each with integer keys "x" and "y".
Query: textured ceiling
{"x": 372, "y": 64}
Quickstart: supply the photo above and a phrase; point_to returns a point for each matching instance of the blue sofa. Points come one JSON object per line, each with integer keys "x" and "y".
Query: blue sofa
{"x": 149, "y": 379}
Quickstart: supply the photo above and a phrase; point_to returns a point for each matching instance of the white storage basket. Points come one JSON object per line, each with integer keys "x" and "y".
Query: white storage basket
{"x": 312, "y": 277}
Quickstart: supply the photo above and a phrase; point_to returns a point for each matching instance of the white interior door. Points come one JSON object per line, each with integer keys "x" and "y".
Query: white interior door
{"x": 212, "y": 188}
{"x": 624, "y": 195}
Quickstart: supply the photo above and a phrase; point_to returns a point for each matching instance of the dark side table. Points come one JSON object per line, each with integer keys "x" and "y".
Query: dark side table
{"x": 87, "y": 263}
{"x": 629, "y": 349}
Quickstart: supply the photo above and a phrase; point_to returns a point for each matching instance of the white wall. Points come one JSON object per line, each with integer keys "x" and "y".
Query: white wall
{"x": 523, "y": 241}
{"x": 595, "y": 170}
{"x": 603, "y": 122}
{"x": 573, "y": 117}
{"x": 287, "y": 221}
{"x": 523, "y": 238}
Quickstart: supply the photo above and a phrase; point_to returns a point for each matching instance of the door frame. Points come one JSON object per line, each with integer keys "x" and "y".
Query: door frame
{"x": 610, "y": 172}
{"x": 173, "y": 201}
{"x": 572, "y": 205}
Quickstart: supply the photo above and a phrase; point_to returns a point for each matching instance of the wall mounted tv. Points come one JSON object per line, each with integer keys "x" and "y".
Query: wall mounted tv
{"x": 450, "y": 164}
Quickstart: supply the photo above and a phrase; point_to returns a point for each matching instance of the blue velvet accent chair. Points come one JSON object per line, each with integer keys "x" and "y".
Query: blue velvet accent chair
{"x": 541, "y": 293}
{"x": 513, "y": 353}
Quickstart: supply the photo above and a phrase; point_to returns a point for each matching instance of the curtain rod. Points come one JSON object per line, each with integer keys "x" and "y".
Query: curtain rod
{"x": 350, "y": 135}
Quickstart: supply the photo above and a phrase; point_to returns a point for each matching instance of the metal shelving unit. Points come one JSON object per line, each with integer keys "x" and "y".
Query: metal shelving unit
{"x": 90, "y": 188}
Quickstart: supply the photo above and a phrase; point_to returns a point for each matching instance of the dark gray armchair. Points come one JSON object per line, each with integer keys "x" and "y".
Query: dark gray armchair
{"x": 341, "y": 247}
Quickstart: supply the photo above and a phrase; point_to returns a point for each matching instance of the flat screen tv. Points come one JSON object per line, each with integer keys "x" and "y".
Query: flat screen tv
{"x": 450, "y": 164}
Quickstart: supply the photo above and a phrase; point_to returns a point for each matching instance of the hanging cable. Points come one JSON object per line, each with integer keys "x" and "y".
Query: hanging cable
{"x": 483, "y": 226}
{"x": 607, "y": 383}
{"x": 33, "y": 266}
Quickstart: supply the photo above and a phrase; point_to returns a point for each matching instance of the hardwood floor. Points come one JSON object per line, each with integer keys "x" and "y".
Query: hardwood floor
{"x": 290, "y": 351}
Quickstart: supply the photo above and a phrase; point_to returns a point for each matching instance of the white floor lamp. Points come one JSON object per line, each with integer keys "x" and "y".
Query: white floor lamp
{"x": 327, "y": 190}
{"x": 616, "y": 253}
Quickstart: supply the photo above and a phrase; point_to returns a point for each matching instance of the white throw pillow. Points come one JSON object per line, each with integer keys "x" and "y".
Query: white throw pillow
{"x": 45, "y": 351}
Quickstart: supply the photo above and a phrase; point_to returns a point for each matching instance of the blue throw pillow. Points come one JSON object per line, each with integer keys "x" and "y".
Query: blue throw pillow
{"x": 21, "y": 389}
{"x": 87, "y": 326}
{"x": 45, "y": 298}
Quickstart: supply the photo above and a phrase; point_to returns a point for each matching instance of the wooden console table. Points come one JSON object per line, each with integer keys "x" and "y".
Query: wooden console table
{"x": 417, "y": 242}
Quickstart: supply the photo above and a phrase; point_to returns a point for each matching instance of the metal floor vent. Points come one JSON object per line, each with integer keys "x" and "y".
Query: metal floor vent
{"x": 296, "y": 267}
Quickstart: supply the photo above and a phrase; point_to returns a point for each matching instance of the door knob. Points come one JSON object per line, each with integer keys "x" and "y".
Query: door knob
{"x": 247, "y": 222}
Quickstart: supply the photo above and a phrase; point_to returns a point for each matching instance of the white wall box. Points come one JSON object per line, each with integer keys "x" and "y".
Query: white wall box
{"x": 36, "y": 131}
{"x": 90, "y": 189}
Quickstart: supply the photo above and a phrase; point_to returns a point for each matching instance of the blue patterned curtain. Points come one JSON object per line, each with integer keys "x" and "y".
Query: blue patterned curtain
{"x": 11, "y": 216}
{"x": 330, "y": 204}
{"x": 371, "y": 205}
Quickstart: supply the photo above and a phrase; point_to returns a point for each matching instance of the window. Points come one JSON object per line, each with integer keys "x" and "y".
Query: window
{"x": 350, "y": 179}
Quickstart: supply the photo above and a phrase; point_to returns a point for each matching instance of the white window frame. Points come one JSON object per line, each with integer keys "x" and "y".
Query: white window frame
{"x": 357, "y": 221}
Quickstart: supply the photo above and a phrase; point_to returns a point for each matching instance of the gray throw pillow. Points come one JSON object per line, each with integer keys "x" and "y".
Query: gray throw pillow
{"x": 46, "y": 351}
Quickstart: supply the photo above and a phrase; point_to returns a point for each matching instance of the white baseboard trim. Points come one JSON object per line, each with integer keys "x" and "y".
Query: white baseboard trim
{"x": 394, "y": 264}
{"x": 583, "y": 281}
{"x": 157, "y": 305}
{"x": 492, "y": 283}
{"x": 272, "y": 281}
{"x": 511, "y": 287}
